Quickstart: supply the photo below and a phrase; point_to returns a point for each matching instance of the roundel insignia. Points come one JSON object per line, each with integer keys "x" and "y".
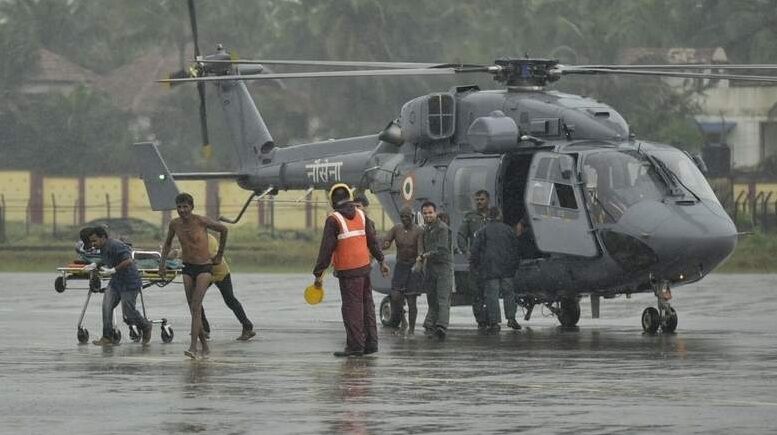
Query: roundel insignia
{"x": 407, "y": 188}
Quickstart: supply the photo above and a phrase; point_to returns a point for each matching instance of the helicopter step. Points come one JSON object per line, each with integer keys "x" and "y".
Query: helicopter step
{"x": 664, "y": 317}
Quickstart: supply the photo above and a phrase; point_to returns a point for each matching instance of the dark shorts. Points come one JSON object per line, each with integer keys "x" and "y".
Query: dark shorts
{"x": 192, "y": 270}
{"x": 405, "y": 280}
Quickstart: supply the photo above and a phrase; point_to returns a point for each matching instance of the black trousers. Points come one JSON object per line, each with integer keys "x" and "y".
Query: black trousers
{"x": 225, "y": 287}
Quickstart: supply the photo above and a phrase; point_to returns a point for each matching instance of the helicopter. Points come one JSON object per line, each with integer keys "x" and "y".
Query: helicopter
{"x": 609, "y": 214}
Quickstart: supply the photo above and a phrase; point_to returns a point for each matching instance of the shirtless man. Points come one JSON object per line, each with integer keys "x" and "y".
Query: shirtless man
{"x": 192, "y": 232}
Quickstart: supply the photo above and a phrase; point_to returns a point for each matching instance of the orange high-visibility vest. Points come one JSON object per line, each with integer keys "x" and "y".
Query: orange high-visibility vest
{"x": 351, "y": 251}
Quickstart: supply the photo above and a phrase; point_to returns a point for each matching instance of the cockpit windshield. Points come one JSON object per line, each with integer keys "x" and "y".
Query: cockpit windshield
{"x": 616, "y": 180}
{"x": 688, "y": 174}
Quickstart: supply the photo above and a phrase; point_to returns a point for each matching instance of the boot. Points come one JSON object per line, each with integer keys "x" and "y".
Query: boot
{"x": 246, "y": 335}
{"x": 347, "y": 353}
{"x": 103, "y": 341}
{"x": 147, "y": 333}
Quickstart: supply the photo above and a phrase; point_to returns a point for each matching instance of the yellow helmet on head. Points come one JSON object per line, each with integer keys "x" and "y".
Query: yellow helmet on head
{"x": 339, "y": 194}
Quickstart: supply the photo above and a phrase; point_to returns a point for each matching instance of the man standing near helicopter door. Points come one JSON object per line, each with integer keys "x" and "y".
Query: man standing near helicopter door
{"x": 472, "y": 222}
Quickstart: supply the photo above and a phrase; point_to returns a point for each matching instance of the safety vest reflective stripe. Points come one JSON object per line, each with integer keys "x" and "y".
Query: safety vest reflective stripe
{"x": 351, "y": 251}
{"x": 346, "y": 232}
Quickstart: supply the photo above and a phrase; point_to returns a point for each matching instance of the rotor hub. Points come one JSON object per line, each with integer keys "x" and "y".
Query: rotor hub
{"x": 527, "y": 72}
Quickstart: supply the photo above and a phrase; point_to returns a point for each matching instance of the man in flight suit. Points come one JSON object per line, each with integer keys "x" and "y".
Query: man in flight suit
{"x": 348, "y": 240}
{"x": 438, "y": 266}
{"x": 473, "y": 221}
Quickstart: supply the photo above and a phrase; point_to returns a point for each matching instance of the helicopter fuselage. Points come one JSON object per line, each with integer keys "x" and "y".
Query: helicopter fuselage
{"x": 608, "y": 214}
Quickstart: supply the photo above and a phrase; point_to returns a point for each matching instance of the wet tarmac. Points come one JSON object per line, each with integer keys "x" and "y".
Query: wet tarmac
{"x": 718, "y": 374}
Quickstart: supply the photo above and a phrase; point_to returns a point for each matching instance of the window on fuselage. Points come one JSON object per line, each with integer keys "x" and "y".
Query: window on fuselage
{"x": 616, "y": 180}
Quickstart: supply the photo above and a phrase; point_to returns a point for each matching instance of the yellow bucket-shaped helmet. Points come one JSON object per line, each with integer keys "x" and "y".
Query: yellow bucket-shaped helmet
{"x": 340, "y": 199}
{"x": 314, "y": 294}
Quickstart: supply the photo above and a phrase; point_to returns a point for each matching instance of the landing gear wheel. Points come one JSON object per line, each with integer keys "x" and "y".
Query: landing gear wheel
{"x": 569, "y": 312}
{"x": 669, "y": 322}
{"x": 59, "y": 284}
{"x": 651, "y": 320}
{"x": 385, "y": 311}
{"x": 134, "y": 333}
{"x": 83, "y": 335}
{"x": 116, "y": 336}
{"x": 167, "y": 333}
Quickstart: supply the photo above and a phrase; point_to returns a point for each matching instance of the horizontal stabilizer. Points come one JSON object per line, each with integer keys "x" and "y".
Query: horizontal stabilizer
{"x": 160, "y": 184}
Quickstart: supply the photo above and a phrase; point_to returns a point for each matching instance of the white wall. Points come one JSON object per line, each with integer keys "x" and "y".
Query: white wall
{"x": 748, "y": 107}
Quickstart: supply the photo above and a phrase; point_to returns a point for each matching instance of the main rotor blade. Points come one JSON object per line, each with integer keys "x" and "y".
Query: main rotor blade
{"x": 767, "y": 79}
{"x": 332, "y": 74}
{"x": 355, "y": 64}
{"x": 206, "y": 148}
{"x": 193, "y": 21}
{"x": 761, "y": 66}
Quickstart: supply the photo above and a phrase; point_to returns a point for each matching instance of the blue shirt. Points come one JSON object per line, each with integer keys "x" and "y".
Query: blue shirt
{"x": 112, "y": 254}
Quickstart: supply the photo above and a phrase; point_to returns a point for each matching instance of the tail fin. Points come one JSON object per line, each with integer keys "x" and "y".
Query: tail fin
{"x": 160, "y": 184}
{"x": 253, "y": 143}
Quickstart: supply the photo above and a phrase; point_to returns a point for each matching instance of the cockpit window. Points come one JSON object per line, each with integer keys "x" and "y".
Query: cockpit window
{"x": 687, "y": 172}
{"x": 616, "y": 180}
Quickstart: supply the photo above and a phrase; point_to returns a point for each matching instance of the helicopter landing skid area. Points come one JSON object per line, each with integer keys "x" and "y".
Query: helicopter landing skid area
{"x": 148, "y": 266}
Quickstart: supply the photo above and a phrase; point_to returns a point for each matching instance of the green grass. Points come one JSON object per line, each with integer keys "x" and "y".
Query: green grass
{"x": 754, "y": 254}
{"x": 249, "y": 250}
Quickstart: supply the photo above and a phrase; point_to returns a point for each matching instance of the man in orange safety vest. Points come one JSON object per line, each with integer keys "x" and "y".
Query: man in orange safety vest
{"x": 348, "y": 240}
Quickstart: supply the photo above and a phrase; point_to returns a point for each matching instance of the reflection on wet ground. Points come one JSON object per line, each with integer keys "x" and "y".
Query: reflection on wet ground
{"x": 716, "y": 375}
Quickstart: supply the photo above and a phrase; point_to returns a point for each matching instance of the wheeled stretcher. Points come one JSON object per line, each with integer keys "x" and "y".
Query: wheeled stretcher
{"x": 148, "y": 266}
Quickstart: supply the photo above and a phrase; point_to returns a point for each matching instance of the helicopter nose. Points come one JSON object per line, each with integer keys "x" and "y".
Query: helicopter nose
{"x": 692, "y": 240}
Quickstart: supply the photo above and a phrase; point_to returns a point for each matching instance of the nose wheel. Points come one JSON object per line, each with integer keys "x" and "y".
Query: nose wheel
{"x": 664, "y": 317}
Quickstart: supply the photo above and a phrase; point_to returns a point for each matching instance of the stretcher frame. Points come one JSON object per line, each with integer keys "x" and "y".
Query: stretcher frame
{"x": 96, "y": 280}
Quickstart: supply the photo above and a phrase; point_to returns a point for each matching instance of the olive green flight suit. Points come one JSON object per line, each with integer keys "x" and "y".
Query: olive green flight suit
{"x": 438, "y": 274}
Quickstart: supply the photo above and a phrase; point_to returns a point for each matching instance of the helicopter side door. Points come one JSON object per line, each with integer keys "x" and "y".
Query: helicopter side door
{"x": 554, "y": 203}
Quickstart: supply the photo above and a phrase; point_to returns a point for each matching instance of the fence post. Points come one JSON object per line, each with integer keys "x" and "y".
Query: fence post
{"x": 315, "y": 215}
{"x": 2, "y": 218}
{"x": 272, "y": 216}
{"x": 765, "y": 212}
{"x": 27, "y": 218}
{"x": 75, "y": 212}
{"x": 54, "y": 216}
{"x": 108, "y": 205}
{"x": 309, "y": 210}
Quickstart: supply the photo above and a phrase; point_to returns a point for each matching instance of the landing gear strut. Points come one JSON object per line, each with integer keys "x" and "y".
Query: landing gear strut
{"x": 665, "y": 317}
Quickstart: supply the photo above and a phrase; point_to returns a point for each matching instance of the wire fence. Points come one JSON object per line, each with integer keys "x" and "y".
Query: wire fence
{"x": 267, "y": 214}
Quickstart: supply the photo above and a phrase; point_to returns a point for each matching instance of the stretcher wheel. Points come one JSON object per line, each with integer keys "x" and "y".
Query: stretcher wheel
{"x": 116, "y": 335}
{"x": 94, "y": 283}
{"x": 167, "y": 333}
{"x": 134, "y": 333}
{"x": 83, "y": 335}
{"x": 59, "y": 284}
